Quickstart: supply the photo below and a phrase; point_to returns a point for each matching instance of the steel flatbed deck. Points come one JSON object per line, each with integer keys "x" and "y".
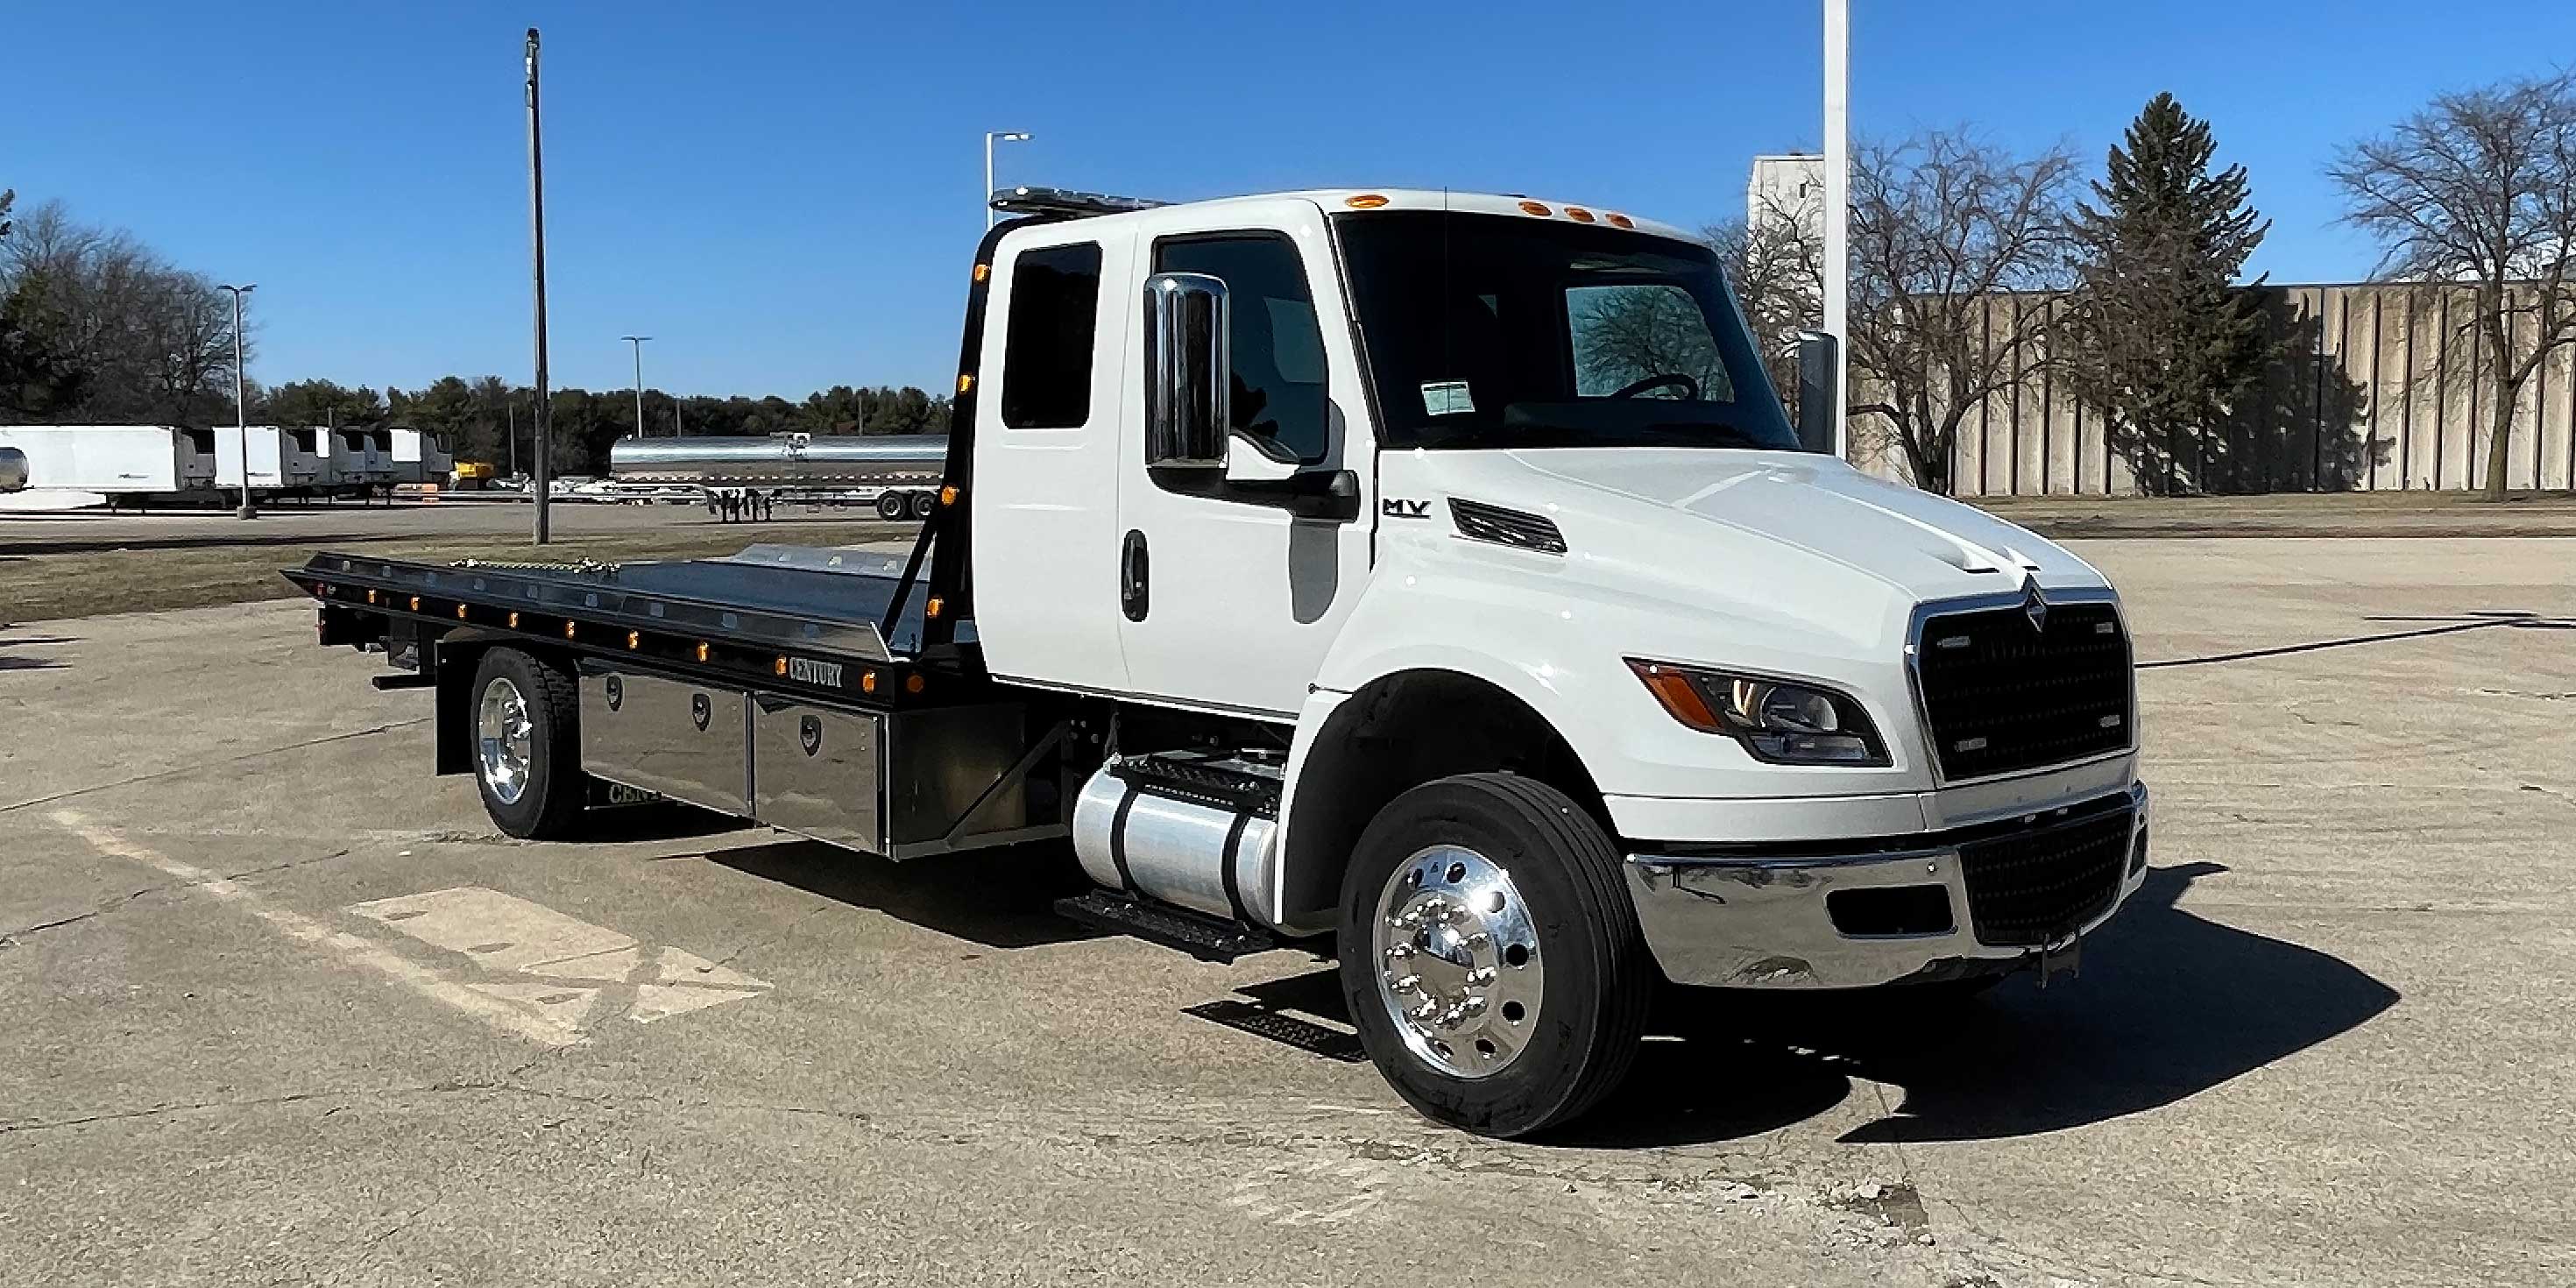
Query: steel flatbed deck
{"x": 783, "y": 618}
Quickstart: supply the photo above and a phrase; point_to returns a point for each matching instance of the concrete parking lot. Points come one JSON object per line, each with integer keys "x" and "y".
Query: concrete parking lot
{"x": 282, "y": 1008}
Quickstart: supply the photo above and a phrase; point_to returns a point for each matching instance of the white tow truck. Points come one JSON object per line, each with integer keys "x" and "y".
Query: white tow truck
{"x": 1430, "y": 578}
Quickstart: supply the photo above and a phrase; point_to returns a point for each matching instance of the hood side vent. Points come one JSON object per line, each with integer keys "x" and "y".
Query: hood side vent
{"x": 1478, "y": 521}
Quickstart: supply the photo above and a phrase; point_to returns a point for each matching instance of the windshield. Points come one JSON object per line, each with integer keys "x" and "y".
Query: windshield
{"x": 1499, "y": 331}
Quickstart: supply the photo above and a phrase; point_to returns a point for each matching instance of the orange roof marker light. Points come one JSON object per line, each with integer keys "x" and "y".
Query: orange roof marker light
{"x": 1535, "y": 208}
{"x": 983, "y": 271}
{"x": 780, "y": 666}
{"x": 1578, "y": 214}
{"x": 1365, "y": 201}
{"x": 702, "y": 652}
{"x": 1620, "y": 221}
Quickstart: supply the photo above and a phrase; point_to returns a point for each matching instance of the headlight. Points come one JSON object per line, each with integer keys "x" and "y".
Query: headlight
{"x": 1776, "y": 720}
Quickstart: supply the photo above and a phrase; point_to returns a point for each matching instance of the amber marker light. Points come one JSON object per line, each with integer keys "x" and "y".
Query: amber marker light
{"x": 1620, "y": 221}
{"x": 1674, "y": 691}
{"x": 780, "y": 666}
{"x": 702, "y": 652}
{"x": 1534, "y": 208}
{"x": 914, "y": 683}
{"x": 1365, "y": 201}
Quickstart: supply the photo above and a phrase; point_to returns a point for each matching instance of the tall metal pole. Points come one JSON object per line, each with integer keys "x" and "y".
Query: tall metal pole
{"x": 510, "y": 414}
{"x": 638, "y": 342}
{"x": 241, "y": 400}
{"x": 1838, "y": 210}
{"x": 539, "y": 449}
{"x": 985, "y": 198}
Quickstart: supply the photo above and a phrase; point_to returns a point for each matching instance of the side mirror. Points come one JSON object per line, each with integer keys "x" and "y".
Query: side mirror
{"x": 1819, "y": 415}
{"x": 1188, "y": 372}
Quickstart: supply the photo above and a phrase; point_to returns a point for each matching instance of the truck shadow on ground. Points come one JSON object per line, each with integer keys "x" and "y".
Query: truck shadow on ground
{"x": 998, "y": 898}
{"x": 2169, "y": 1005}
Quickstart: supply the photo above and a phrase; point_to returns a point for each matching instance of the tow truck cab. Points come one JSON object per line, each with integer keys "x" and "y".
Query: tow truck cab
{"x": 1436, "y": 572}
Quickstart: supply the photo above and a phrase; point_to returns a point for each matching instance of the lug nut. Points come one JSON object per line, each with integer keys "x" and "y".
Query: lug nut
{"x": 1409, "y": 984}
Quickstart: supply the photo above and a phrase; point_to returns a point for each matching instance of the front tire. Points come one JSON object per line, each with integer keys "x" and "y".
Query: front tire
{"x": 1490, "y": 955}
{"x": 526, "y": 746}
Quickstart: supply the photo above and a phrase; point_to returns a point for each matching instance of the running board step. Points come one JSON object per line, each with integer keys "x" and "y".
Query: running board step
{"x": 1205, "y": 938}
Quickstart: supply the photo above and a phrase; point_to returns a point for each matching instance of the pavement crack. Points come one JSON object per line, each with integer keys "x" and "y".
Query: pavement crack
{"x": 203, "y": 765}
{"x": 162, "y": 1111}
{"x": 11, "y": 939}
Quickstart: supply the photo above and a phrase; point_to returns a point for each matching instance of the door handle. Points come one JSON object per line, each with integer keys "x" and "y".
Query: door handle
{"x": 1132, "y": 567}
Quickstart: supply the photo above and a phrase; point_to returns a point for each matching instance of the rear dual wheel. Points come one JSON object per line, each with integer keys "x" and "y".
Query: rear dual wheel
{"x": 1490, "y": 956}
{"x": 527, "y": 745}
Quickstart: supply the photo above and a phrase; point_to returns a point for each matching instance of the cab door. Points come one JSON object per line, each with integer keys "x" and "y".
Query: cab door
{"x": 1229, "y": 599}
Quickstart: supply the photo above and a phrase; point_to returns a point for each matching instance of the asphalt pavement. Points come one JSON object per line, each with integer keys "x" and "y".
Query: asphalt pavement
{"x": 281, "y": 1007}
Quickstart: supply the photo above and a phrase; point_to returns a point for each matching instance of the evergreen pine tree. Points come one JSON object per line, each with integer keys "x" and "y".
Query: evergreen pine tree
{"x": 2159, "y": 336}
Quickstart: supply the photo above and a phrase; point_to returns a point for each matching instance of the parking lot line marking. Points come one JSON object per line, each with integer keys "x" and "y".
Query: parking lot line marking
{"x": 500, "y": 1014}
{"x": 501, "y": 932}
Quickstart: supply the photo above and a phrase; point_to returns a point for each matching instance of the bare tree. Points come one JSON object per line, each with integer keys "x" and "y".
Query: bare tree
{"x": 138, "y": 338}
{"x": 1945, "y": 232}
{"x": 1776, "y": 262}
{"x": 2479, "y": 188}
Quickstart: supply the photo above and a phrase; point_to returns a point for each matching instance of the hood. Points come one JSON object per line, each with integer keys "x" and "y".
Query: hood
{"x": 1768, "y": 532}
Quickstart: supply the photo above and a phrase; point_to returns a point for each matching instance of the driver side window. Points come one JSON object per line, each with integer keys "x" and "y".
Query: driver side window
{"x": 1276, "y": 345}
{"x": 1634, "y": 332}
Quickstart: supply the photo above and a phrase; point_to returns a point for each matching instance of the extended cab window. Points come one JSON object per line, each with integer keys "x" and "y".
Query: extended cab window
{"x": 1046, "y": 353}
{"x": 1278, "y": 350}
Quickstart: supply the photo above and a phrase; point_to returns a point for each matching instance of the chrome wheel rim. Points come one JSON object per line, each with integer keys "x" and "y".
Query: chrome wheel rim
{"x": 502, "y": 740}
{"x": 1457, "y": 960}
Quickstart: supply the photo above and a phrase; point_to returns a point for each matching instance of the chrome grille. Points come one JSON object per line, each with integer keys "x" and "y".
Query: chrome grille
{"x": 2002, "y": 694}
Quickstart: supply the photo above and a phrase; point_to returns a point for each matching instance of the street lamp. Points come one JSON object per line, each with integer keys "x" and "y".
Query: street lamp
{"x": 990, "y": 138}
{"x": 241, "y": 403}
{"x": 638, "y": 342}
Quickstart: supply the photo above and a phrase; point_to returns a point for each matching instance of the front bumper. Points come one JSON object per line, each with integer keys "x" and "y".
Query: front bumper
{"x": 1737, "y": 917}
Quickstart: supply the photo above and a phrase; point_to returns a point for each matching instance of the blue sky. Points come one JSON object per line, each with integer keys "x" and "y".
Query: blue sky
{"x": 784, "y": 193}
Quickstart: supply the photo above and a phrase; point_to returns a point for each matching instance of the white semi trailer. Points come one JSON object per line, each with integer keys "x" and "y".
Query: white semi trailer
{"x": 420, "y": 455}
{"x": 358, "y": 460}
{"x": 1352, "y": 568}
{"x": 284, "y": 460}
{"x": 130, "y": 465}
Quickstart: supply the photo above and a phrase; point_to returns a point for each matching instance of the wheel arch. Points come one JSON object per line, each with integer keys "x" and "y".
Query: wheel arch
{"x": 1398, "y": 731}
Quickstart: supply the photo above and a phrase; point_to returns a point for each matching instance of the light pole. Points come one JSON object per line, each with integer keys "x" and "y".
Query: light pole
{"x": 638, "y": 342}
{"x": 241, "y": 403}
{"x": 990, "y": 138}
{"x": 1838, "y": 210}
{"x": 541, "y": 415}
